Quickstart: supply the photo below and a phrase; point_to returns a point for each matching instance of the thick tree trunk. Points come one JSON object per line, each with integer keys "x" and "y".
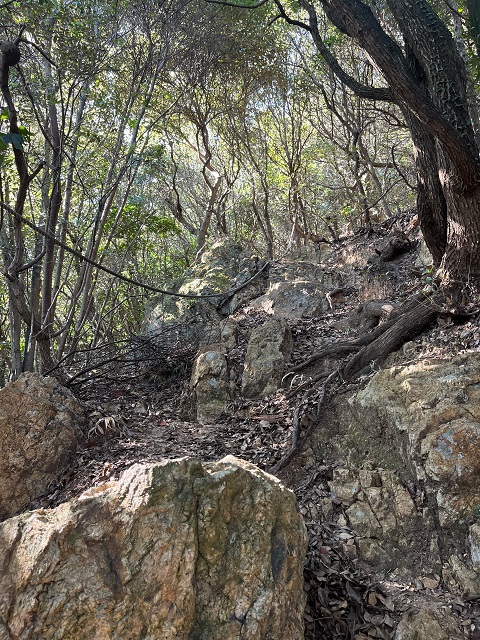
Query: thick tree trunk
{"x": 431, "y": 203}
{"x": 461, "y": 261}
{"x": 429, "y": 82}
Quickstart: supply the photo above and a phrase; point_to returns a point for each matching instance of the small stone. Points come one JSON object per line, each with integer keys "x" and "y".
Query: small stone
{"x": 430, "y": 583}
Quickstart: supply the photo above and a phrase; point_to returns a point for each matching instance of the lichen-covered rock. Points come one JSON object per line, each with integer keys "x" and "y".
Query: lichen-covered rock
{"x": 430, "y": 412}
{"x": 422, "y": 424}
{"x": 210, "y": 382}
{"x": 173, "y": 550}
{"x": 223, "y": 267}
{"x": 297, "y": 290}
{"x": 269, "y": 348}
{"x": 40, "y": 429}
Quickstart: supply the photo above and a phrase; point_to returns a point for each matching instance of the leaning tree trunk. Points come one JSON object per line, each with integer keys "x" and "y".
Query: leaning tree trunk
{"x": 461, "y": 261}
{"x": 441, "y": 71}
{"x": 431, "y": 204}
{"x": 434, "y": 91}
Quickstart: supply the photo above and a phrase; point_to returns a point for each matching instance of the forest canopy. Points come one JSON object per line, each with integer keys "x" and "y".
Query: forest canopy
{"x": 133, "y": 134}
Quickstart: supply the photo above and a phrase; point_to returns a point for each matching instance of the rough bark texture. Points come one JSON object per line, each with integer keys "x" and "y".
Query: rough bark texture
{"x": 431, "y": 204}
{"x": 410, "y": 320}
{"x": 172, "y": 551}
{"x": 429, "y": 82}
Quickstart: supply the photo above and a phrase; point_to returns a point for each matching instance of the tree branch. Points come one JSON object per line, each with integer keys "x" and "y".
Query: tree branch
{"x": 358, "y": 21}
{"x": 225, "y": 3}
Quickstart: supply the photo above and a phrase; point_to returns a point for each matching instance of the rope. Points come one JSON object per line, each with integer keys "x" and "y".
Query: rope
{"x": 119, "y": 276}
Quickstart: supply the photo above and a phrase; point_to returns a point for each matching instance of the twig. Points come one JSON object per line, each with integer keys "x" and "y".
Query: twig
{"x": 295, "y": 445}
{"x": 307, "y": 383}
{"x": 329, "y": 295}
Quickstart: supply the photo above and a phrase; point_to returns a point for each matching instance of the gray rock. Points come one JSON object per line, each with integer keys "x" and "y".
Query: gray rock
{"x": 298, "y": 290}
{"x": 210, "y": 382}
{"x": 378, "y": 508}
{"x": 474, "y": 540}
{"x": 269, "y": 347}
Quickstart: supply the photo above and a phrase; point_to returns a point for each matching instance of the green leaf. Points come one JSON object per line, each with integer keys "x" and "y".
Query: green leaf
{"x": 14, "y": 138}
{"x": 25, "y": 133}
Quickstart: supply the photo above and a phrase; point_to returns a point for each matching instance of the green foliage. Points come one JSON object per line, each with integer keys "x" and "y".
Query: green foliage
{"x": 133, "y": 226}
{"x": 177, "y": 97}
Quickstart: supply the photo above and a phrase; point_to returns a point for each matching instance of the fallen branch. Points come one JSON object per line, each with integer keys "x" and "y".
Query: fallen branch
{"x": 296, "y": 443}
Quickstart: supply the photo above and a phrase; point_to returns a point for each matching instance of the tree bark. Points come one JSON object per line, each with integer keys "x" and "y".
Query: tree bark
{"x": 429, "y": 82}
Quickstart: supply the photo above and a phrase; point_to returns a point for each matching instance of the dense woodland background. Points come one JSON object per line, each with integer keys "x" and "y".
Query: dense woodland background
{"x": 136, "y": 133}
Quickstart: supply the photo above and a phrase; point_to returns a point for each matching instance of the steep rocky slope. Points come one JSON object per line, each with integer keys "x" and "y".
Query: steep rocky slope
{"x": 383, "y": 466}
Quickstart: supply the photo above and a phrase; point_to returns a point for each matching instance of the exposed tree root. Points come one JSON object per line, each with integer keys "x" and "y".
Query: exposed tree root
{"x": 406, "y": 322}
{"x": 409, "y": 321}
{"x": 371, "y": 349}
{"x": 297, "y": 421}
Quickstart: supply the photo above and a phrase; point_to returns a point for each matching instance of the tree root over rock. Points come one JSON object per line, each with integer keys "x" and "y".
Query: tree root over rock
{"x": 370, "y": 350}
{"x": 411, "y": 318}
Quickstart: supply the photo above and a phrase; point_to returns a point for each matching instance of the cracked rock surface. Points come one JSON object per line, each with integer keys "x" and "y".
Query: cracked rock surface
{"x": 172, "y": 550}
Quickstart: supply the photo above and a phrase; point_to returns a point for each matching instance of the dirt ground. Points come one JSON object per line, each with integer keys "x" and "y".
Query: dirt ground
{"x": 143, "y": 419}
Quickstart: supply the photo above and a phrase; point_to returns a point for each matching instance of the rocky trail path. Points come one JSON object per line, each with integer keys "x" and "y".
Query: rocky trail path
{"x": 144, "y": 419}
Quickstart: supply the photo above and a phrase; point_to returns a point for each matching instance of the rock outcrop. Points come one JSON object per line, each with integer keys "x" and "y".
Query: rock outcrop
{"x": 173, "y": 550}
{"x": 432, "y": 409}
{"x": 225, "y": 266}
{"x": 428, "y": 624}
{"x": 269, "y": 348}
{"x": 210, "y": 380}
{"x": 40, "y": 429}
{"x": 412, "y": 442}
{"x": 297, "y": 289}
{"x": 380, "y": 510}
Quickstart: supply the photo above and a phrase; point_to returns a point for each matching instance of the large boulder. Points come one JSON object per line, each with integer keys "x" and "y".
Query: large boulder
{"x": 411, "y": 438}
{"x": 40, "y": 429}
{"x": 297, "y": 289}
{"x": 174, "y": 550}
{"x": 269, "y": 348}
{"x": 432, "y": 410}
